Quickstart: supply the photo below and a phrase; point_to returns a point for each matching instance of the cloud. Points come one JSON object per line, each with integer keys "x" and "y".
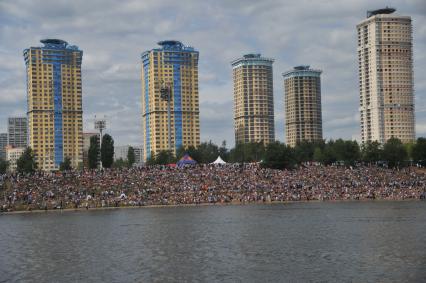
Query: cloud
{"x": 113, "y": 34}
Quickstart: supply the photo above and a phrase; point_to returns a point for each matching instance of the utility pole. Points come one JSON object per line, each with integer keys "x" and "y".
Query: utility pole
{"x": 166, "y": 94}
{"x": 100, "y": 124}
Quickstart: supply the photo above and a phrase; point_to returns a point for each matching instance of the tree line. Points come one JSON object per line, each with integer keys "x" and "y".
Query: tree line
{"x": 279, "y": 155}
{"x": 274, "y": 155}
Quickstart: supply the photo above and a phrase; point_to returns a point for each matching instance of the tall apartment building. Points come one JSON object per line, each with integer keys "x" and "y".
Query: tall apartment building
{"x": 385, "y": 57}
{"x": 120, "y": 152}
{"x": 17, "y": 131}
{"x": 3, "y": 144}
{"x": 253, "y": 99}
{"x": 54, "y": 95}
{"x": 175, "y": 66}
{"x": 303, "y": 119}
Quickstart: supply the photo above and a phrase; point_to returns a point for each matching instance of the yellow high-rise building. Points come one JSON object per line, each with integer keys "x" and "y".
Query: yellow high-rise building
{"x": 253, "y": 99}
{"x": 54, "y": 95}
{"x": 303, "y": 118}
{"x": 174, "y": 66}
{"x": 385, "y": 59}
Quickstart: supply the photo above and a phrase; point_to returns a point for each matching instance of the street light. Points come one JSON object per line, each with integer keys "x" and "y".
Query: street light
{"x": 100, "y": 124}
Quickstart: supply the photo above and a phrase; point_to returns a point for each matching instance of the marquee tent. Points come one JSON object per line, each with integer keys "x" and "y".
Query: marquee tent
{"x": 218, "y": 161}
{"x": 186, "y": 160}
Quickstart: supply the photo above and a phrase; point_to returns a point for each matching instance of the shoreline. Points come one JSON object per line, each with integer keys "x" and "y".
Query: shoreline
{"x": 38, "y": 211}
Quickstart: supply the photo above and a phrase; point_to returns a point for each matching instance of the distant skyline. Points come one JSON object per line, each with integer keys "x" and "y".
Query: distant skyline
{"x": 113, "y": 35}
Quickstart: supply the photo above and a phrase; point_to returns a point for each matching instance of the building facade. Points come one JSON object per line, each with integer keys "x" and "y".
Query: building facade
{"x": 3, "y": 144}
{"x": 120, "y": 152}
{"x": 173, "y": 66}
{"x": 303, "y": 118}
{"x": 253, "y": 99}
{"x": 12, "y": 156}
{"x": 86, "y": 146}
{"x": 54, "y": 95}
{"x": 385, "y": 57}
{"x": 17, "y": 131}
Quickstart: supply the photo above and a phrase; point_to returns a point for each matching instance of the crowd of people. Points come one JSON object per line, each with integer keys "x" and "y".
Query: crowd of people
{"x": 201, "y": 184}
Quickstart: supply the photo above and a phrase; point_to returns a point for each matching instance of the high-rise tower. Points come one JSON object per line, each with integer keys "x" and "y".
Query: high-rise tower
{"x": 303, "y": 120}
{"x": 170, "y": 88}
{"x": 385, "y": 60}
{"x": 17, "y": 131}
{"x": 54, "y": 97}
{"x": 253, "y": 99}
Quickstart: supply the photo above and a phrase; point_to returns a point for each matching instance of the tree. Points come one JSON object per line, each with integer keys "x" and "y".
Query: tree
{"x": 66, "y": 164}
{"x": 394, "y": 152}
{"x": 164, "y": 157}
{"x": 419, "y": 151}
{"x": 279, "y": 156}
{"x": 223, "y": 151}
{"x": 107, "y": 151}
{"x": 318, "y": 155}
{"x": 131, "y": 156}
{"x": 26, "y": 162}
{"x": 371, "y": 152}
{"x": 93, "y": 154}
{"x": 305, "y": 150}
{"x": 120, "y": 163}
{"x": 247, "y": 152}
{"x": 4, "y": 165}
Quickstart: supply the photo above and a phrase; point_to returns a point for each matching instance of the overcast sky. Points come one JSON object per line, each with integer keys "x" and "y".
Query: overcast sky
{"x": 113, "y": 34}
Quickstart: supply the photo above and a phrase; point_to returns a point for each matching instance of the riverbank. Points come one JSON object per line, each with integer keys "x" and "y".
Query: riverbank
{"x": 82, "y": 209}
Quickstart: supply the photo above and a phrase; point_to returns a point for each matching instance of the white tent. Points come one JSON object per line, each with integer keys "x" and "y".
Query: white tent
{"x": 218, "y": 161}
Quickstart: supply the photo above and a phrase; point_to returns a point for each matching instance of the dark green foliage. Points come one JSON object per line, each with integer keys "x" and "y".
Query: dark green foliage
{"x": 247, "y": 152}
{"x": 3, "y": 166}
{"x": 107, "y": 151}
{"x": 371, "y": 152}
{"x": 66, "y": 164}
{"x": 206, "y": 152}
{"x": 419, "y": 151}
{"x": 120, "y": 163}
{"x": 223, "y": 151}
{"x": 93, "y": 154}
{"x": 131, "y": 156}
{"x": 163, "y": 157}
{"x": 394, "y": 152}
{"x": 279, "y": 156}
{"x": 26, "y": 163}
{"x": 305, "y": 150}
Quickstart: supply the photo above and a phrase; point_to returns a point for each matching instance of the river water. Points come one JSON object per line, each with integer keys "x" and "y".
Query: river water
{"x": 296, "y": 242}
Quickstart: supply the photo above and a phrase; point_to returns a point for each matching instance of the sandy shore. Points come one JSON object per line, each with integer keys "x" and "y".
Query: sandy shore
{"x": 195, "y": 205}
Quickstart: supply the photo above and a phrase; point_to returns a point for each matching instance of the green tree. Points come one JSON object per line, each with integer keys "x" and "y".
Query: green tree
{"x": 419, "y": 151}
{"x": 131, "y": 158}
{"x": 394, "y": 152}
{"x": 4, "y": 165}
{"x": 371, "y": 152}
{"x": 304, "y": 150}
{"x": 318, "y": 155}
{"x": 93, "y": 154}
{"x": 223, "y": 151}
{"x": 26, "y": 162}
{"x": 120, "y": 163}
{"x": 107, "y": 151}
{"x": 247, "y": 152}
{"x": 279, "y": 156}
{"x": 164, "y": 157}
{"x": 66, "y": 164}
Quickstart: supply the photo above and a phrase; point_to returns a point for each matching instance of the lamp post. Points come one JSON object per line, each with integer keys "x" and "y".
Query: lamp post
{"x": 166, "y": 95}
{"x": 100, "y": 124}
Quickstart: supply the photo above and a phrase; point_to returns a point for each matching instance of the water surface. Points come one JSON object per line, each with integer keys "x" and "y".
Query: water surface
{"x": 302, "y": 242}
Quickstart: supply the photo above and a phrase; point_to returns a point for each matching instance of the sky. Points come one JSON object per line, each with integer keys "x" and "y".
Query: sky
{"x": 113, "y": 34}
